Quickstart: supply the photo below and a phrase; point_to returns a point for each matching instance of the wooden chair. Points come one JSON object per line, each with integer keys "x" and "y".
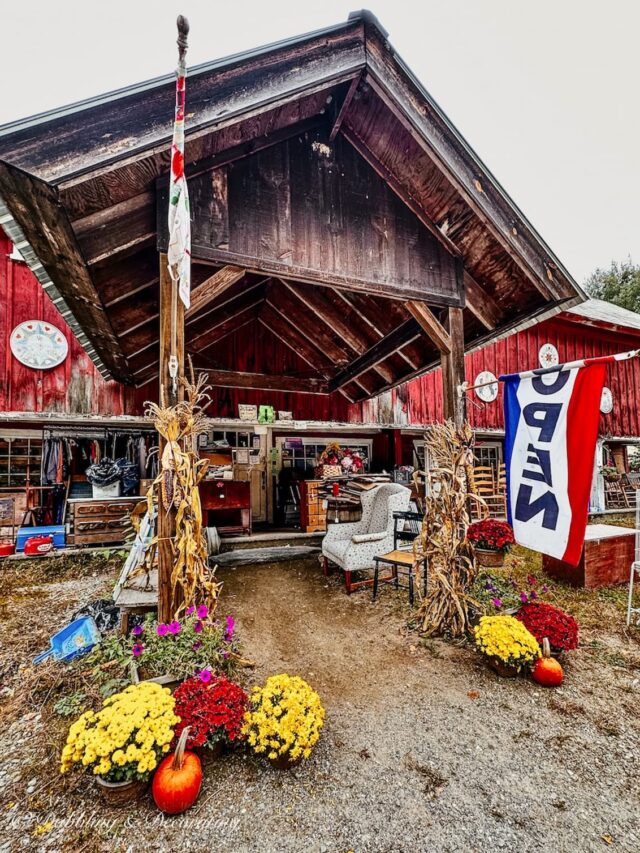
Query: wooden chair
{"x": 401, "y": 559}
{"x": 485, "y": 484}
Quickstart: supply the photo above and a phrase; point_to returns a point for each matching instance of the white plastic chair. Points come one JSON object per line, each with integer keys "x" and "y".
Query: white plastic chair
{"x": 634, "y": 574}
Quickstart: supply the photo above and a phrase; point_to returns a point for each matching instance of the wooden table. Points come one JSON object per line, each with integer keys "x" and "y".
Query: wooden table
{"x": 229, "y": 496}
{"x": 606, "y": 558}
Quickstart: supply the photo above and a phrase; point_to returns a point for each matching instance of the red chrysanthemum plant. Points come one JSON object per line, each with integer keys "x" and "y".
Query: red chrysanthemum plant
{"x": 545, "y": 620}
{"x": 491, "y": 535}
{"x": 213, "y": 707}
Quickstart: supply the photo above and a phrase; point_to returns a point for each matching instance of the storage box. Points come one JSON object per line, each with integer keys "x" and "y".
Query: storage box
{"x": 55, "y": 530}
{"x": 112, "y": 491}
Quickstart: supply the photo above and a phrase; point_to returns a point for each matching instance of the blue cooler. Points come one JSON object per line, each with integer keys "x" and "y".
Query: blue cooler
{"x": 55, "y": 530}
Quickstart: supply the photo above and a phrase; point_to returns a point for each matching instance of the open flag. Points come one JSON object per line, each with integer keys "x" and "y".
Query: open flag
{"x": 551, "y": 428}
{"x": 179, "y": 252}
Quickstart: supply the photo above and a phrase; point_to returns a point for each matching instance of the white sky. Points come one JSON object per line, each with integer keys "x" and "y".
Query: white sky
{"x": 546, "y": 92}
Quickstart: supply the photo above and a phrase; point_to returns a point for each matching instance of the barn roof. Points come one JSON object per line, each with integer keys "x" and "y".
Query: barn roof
{"x": 81, "y": 189}
{"x": 601, "y": 313}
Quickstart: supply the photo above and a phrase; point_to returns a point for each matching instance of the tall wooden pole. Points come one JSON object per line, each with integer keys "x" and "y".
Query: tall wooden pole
{"x": 170, "y": 307}
{"x": 454, "y": 400}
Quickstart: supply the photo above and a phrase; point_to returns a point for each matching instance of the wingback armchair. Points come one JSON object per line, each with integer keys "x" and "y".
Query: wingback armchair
{"x": 354, "y": 546}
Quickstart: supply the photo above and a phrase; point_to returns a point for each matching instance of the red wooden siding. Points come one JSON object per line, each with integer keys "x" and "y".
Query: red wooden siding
{"x": 75, "y": 386}
{"x": 420, "y": 401}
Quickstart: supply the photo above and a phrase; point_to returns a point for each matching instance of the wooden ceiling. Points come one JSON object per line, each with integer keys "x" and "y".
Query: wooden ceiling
{"x": 84, "y": 186}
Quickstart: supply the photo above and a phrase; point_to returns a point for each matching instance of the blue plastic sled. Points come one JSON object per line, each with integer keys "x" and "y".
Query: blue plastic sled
{"x": 79, "y": 637}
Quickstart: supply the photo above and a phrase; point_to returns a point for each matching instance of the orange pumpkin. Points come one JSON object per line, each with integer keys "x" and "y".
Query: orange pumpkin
{"x": 547, "y": 670}
{"x": 177, "y": 780}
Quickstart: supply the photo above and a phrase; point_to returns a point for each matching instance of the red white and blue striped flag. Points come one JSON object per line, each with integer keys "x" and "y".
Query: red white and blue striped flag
{"x": 551, "y": 428}
{"x": 179, "y": 252}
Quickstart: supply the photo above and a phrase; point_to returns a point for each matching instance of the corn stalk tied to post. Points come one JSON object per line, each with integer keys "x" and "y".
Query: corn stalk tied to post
{"x": 443, "y": 537}
{"x": 181, "y": 470}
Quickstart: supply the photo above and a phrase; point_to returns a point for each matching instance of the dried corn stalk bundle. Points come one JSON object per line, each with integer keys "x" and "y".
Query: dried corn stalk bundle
{"x": 180, "y": 472}
{"x": 443, "y": 538}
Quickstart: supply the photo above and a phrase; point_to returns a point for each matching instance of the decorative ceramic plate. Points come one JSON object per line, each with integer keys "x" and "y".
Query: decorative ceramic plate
{"x": 487, "y": 393}
{"x": 606, "y": 401}
{"x": 38, "y": 344}
{"x": 548, "y": 356}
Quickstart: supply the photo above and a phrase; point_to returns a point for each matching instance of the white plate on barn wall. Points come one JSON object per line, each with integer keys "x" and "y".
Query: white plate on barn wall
{"x": 486, "y": 392}
{"x": 38, "y": 345}
{"x": 548, "y": 356}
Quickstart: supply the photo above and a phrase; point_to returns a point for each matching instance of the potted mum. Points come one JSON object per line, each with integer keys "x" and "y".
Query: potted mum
{"x": 123, "y": 742}
{"x": 173, "y": 651}
{"x": 284, "y": 720}
{"x": 213, "y": 708}
{"x": 545, "y": 620}
{"x": 491, "y": 540}
{"x": 507, "y": 645}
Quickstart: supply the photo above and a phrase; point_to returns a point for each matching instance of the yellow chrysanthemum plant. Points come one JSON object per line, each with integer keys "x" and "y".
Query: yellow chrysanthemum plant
{"x": 127, "y": 738}
{"x": 284, "y": 719}
{"x": 506, "y": 639}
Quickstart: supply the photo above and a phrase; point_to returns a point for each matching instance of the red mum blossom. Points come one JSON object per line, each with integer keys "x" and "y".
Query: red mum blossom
{"x": 214, "y": 710}
{"x": 490, "y": 534}
{"x": 545, "y": 620}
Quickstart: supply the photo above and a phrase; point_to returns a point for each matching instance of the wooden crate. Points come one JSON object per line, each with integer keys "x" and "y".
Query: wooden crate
{"x": 313, "y": 515}
{"x": 606, "y": 558}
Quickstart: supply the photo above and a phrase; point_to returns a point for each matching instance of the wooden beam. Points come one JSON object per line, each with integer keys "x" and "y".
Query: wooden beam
{"x": 117, "y": 231}
{"x": 344, "y": 107}
{"x": 481, "y": 304}
{"x": 454, "y": 401}
{"x": 263, "y": 381}
{"x": 212, "y": 287}
{"x": 431, "y": 325}
{"x": 408, "y": 331}
{"x": 285, "y": 329}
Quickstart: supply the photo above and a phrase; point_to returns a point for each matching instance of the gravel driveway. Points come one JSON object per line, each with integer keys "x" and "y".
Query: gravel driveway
{"x": 424, "y": 749}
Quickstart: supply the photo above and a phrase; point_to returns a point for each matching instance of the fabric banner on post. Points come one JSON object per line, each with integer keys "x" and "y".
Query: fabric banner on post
{"x": 551, "y": 428}
{"x": 179, "y": 251}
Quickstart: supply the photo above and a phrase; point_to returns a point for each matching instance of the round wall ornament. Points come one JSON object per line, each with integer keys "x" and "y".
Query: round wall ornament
{"x": 606, "y": 401}
{"x": 487, "y": 392}
{"x": 548, "y": 355}
{"x": 38, "y": 344}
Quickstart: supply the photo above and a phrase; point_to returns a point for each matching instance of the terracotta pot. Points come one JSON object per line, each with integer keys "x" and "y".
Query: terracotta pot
{"x": 285, "y": 762}
{"x": 121, "y": 793}
{"x": 489, "y": 559}
{"x": 503, "y": 669}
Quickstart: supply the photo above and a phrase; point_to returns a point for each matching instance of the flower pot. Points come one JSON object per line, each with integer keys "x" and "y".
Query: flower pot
{"x": 121, "y": 793}
{"x": 489, "y": 559}
{"x": 285, "y": 762}
{"x": 503, "y": 669}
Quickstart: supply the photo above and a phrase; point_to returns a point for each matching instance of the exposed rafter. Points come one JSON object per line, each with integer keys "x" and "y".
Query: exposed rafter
{"x": 212, "y": 287}
{"x": 431, "y": 325}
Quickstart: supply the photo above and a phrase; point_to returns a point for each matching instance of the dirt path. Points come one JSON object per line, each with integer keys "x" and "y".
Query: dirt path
{"x": 424, "y": 749}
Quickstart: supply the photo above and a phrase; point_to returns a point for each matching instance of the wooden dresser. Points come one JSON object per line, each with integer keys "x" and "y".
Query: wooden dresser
{"x": 99, "y": 522}
{"x": 313, "y": 517}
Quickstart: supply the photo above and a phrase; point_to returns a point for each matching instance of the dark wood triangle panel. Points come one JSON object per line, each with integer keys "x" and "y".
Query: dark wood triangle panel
{"x": 316, "y": 211}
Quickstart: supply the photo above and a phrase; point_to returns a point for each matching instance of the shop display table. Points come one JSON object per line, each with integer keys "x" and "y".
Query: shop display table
{"x": 606, "y": 558}
{"x": 230, "y": 498}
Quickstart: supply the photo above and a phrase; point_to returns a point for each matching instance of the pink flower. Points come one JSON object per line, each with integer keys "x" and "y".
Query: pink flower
{"x": 137, "y": 649}
{"x": 203, "y": 611}
{"x": 228, "y": 634}
{"x": 137, "y": 631}
{"x": 497, "y": 602}
{"x": 191, "y": 610}
{"x": 533, "y": 595}
{"x": 524, "y": 597}
{"x": 175, "y": 627}
{"x": 198, "y": 626}
{"x": 205, "y": 676}
{"x": 162, "y": 630}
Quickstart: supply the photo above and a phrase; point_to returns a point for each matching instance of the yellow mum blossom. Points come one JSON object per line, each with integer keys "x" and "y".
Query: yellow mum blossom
{"x": 125, "y": 739}
{"x": 507, "y": 639}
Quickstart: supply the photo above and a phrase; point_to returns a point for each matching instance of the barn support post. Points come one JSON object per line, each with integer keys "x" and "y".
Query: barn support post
{"x": 171, "y": 309}
{"x": 454, "y": 398}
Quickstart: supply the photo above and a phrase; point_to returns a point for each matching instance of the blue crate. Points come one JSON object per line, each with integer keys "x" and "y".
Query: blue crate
{"x": 77, "y": 638}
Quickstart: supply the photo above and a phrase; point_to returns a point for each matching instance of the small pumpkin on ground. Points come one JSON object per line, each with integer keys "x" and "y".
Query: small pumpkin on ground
{"x": 178, "y": 779}
{"x": 547, "y": 671}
